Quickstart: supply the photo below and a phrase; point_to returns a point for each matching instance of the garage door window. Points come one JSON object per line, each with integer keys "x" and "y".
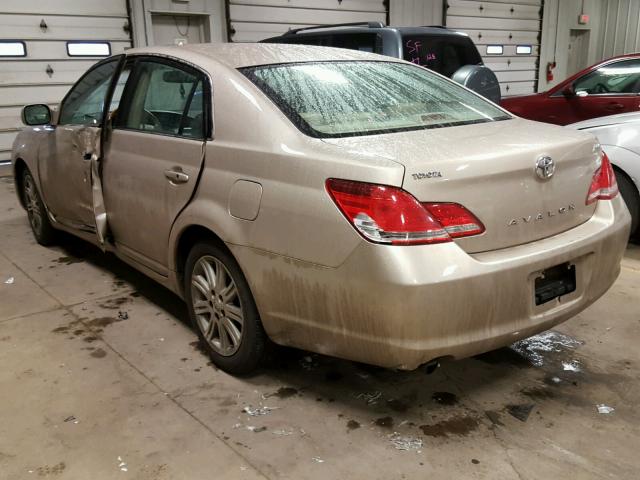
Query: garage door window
{"x": 165, "y": 100}
{"x": 84, "y": 104}
{"x": 88, "y": 49}
{"x": 12, "y": 48}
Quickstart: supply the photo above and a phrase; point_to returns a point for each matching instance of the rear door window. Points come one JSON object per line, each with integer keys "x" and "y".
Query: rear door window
{"x": 444, "y": 54}
{"x": 165, "y": 99}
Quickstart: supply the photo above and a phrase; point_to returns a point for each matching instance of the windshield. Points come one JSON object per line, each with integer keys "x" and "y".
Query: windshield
{"x": 341, "y": 99}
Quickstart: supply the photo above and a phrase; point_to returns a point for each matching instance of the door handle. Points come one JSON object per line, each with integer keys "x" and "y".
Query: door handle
{"x": 615, "y": 106}
{"x": 176, "y": 176}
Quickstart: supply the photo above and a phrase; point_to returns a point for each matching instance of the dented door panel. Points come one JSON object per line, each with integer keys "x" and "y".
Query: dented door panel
{"x": 70, "y": 157}
{"x": 66, "y": 160}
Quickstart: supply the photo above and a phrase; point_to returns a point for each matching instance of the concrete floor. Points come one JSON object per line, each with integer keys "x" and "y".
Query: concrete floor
{"x": 102, "y": 379}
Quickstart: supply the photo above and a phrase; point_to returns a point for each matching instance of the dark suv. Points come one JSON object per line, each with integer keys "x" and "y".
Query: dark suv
{"x": 450, "y": 53}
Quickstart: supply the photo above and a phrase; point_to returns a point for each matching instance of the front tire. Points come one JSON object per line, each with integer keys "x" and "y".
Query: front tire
{"x": 222, "y": 309}
{"x": 36, "y": 211}
{"x": 632, "y": 199}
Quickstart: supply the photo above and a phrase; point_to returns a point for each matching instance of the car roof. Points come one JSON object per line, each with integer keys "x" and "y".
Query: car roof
{"x": 434, "y": 30}
{"x": 237, "y": 55}
{"x": 617, "y": 57}
{"x": 331, "y": 29}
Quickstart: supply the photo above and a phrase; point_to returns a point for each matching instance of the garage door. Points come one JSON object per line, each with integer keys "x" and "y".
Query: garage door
{"x": 507, "y": 34}
{"x": 254, "y": 20}
{"x": 46, "y": 46}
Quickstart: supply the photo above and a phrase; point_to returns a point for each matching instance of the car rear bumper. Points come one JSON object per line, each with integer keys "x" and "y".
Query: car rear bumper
{"x": 401, "y": 307}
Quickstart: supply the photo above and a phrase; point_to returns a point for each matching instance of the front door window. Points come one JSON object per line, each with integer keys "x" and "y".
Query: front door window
{"x": 84, "y": 105}
{"x": 615, "y": 78}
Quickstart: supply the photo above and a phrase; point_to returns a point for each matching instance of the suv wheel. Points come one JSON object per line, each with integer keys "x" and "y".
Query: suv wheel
{"x": 36, "y": 211}
{"x": 222, "y": 309}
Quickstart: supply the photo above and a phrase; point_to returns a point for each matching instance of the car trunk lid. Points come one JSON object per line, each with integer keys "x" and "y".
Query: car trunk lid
{"x": 490, "y": 169}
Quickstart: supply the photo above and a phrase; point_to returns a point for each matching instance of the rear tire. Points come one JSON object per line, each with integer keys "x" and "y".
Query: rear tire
{"x": 222, "y": 309}
{"x": 631, "y": 197}
{"x": 36, "y": 211}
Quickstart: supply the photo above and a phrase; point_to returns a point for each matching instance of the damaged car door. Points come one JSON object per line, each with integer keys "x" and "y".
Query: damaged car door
{"x": 69, "y": 159}
{"x": 153, "y": 155}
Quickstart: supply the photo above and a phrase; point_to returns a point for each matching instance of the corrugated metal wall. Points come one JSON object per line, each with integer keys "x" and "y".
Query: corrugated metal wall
{"x": 502, "y": 25}
{"x": 619, "y": 28}
{"x": 614, "y": 29}
{"x": 254, "y": 20}
{"x": 47, "y": 72}
{"x": 415, "y": 13}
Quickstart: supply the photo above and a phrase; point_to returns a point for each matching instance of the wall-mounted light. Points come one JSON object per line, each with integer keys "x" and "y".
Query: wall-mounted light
{"x": 495, "y": 49}
{"x": 12, "y": 48}
{"x": 88, "y": 49}
{"x": 524, "y": 49}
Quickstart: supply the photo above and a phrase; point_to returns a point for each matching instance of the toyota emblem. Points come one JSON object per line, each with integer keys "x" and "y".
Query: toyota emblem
{"x": 545, "y": 167}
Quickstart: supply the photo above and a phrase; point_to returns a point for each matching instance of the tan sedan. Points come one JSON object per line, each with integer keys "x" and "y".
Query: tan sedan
{"x": 337, "y": 201}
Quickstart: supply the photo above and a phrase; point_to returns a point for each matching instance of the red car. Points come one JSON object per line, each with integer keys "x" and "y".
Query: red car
{"x": 609, "y": 87}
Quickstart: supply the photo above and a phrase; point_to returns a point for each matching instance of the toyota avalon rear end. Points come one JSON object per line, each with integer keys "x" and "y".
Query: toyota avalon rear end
{"x": 466, "y": 230}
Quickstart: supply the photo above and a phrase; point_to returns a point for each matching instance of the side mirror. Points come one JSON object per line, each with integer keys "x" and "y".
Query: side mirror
{"x": 569, "y": 91}
{"x": 37, "y": 114}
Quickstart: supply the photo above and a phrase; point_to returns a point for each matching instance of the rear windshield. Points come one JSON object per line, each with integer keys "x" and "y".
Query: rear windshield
{"x": 444, "y": 54}
{"x": 349, "y": 98}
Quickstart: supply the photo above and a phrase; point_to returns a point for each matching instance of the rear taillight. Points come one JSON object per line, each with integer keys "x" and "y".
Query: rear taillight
{"x": 456, "y": 220}
{"x": 385, "y": 214}
{"x": 604, "y": 185}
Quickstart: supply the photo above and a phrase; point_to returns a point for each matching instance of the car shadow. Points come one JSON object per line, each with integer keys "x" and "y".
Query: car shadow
{"x": 79, "y": 250}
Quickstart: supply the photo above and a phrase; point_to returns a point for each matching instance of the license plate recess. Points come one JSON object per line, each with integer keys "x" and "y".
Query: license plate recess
{"x": 555, "y": 282}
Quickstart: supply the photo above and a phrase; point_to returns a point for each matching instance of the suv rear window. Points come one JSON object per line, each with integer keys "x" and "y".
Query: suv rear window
{"x": 365, "y": 42}
{"x": 444, "y": 54}
{"x": 349, "y": 98}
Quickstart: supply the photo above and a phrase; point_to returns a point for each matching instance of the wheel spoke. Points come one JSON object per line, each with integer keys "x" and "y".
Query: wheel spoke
{"x": 201, "y": 307}
{"x": 209, "y": 273}
{"x": 208, "y": 334}
{"x": 229, "y": 293}
{"x": 234, "y": 313}
{"x": 220, "y": 277}
{"x": 201, "y": 285}
{"x": 224, "y": 337}
{"x": 232, "y": 331}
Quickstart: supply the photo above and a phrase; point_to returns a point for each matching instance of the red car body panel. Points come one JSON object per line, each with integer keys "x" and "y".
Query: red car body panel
{"x": 553, "y": 106}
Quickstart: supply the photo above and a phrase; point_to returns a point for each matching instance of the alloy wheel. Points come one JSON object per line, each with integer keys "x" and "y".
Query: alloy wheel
{"x": 217, "y": 306}
{"x": 32, "y": 202}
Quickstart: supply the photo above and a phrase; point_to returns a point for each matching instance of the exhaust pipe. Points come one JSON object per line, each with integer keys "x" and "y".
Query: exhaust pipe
{"x": 431, "y": 366}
